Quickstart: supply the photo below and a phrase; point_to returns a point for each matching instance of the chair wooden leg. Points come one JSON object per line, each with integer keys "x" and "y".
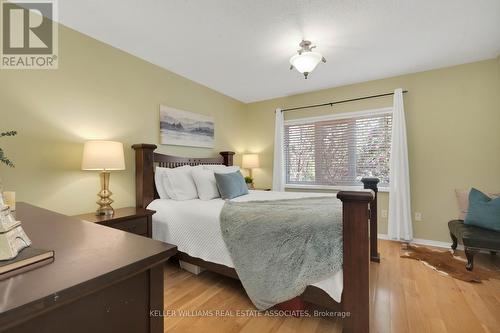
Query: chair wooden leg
{"x": 455, "y": 242}
{"x": 470, "y": 253}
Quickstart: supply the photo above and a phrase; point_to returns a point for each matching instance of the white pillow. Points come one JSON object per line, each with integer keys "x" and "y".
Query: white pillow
{"x": 222, "y": 168}
{"x": 205, "y": 180}
{"x": 179, "y": 184}
{"x": 160, "y": 187}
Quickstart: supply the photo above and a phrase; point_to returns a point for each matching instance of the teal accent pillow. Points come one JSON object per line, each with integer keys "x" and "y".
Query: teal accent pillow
{"x": 484, "y": 212}
{"x": 231, "y": 185}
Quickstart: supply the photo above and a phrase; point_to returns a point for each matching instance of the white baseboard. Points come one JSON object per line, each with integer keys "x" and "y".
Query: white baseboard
{"x": 428, "y": 242}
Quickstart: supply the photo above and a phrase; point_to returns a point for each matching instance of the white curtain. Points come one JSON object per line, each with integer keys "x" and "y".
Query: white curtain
{"x": 400, "y": 223}
{"x": 278, "y": 168}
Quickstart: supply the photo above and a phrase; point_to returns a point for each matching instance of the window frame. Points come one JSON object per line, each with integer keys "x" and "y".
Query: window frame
{"x": 337, "y": 116}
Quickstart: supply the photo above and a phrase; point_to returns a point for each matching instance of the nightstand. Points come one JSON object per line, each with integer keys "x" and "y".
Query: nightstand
{"x": 130, "y": 219}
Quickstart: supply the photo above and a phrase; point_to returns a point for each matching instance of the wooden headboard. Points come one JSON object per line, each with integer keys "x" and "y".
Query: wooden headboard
{"x": 146, "y": 160}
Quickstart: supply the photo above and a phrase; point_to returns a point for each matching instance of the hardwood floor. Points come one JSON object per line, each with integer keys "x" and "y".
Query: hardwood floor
{"x": 406, "y": 296}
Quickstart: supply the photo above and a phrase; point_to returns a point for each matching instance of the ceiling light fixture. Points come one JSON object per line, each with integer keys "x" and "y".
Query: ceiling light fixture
{"x": 306, "y": 60}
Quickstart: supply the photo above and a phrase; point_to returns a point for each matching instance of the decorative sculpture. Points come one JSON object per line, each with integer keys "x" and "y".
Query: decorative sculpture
{"x": 12, "y": 236}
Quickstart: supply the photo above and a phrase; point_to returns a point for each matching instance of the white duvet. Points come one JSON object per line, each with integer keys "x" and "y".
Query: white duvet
{"x": 193, "y": 225}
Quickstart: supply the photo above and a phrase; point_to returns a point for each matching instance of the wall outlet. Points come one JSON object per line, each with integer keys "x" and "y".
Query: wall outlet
{"x": 384, "y": 213}
{"x": 418, "y": 216}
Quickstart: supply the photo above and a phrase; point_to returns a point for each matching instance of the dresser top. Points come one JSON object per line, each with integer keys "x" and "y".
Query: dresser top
{"x": 88, "y": 257}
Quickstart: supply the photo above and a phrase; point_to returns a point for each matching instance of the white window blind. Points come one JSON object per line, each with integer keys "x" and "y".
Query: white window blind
{"x": 338, "y": 151}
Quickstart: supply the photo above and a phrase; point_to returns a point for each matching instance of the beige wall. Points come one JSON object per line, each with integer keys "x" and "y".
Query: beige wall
{"x": 98, "y": 92}
{"x": 453, "y": 123}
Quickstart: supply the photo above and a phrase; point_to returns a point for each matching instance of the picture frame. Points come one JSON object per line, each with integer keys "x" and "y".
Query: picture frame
{"x": 184, "y": 128}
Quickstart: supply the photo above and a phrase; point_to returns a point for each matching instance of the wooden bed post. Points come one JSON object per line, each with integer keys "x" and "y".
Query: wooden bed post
{"x": 144, "y": 174}
{"x": 228, "y": 157}
{"x": 356, "y": 293}
{"x": 371, "y": 184}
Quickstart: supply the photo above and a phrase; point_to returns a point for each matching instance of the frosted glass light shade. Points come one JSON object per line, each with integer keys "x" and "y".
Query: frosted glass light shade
{"x": 250, "y": 161}
{"x": 103, "y": 155}
{"x": 306, "y": 62}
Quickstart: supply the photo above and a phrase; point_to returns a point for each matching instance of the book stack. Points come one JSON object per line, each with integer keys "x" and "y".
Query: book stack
{"x": 15, "y": 254}
{"x": 28, "y": 259}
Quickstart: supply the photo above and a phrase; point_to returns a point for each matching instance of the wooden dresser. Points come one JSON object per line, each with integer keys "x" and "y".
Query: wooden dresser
{"x": 102, "y": 279}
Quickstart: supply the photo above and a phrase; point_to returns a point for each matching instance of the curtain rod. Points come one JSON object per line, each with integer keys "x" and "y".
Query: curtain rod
{"x": 339, "y": 102}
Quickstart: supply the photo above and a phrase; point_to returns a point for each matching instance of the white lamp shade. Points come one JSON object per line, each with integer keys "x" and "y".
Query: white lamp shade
{"x": 306, "y": 62}
{"x": 103, "y": 155}
{"x": 250, "y": 161}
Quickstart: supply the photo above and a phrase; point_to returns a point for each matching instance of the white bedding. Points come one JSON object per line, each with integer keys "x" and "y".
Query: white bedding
{"x": 193, "y": 225}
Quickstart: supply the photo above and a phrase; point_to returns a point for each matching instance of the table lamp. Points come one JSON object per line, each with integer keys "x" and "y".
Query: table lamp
{"x": 250, "y": 161}
{"x": 103, "y": 156}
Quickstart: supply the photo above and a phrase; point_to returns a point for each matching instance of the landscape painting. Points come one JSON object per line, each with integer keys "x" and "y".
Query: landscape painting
{"x": 183, "y": 128}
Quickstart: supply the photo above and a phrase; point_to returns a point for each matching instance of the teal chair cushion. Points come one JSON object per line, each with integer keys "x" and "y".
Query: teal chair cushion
{"x": 231, "y": 185}
{"x": 484, "y": 212}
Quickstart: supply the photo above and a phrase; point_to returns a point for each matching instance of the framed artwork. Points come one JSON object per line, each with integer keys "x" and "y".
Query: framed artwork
{"x": 183, "y": 128}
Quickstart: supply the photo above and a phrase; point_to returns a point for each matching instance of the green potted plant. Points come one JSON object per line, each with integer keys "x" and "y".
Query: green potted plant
{"x": 3, "y": 158}
{"x": 249, "y": 181}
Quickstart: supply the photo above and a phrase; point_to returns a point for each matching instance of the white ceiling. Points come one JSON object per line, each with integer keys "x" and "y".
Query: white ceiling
{"x": 241, "y": 47}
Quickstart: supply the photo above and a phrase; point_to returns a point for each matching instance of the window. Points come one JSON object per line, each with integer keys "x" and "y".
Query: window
{"x": 338, "y": 150}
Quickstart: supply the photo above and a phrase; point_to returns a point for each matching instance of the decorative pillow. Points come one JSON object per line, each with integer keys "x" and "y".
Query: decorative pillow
{"x": 463, "y": 201}
{"x": 179, "y": 184}
{"x": 160, "y": 187}
{"x": 483, "y": 211}
{"x": 204, "y": 179}
{"x": 231, "y": 185}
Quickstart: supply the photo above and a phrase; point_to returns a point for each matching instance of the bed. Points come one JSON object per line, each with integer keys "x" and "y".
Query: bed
{"x": 347, "y": 290}
{"x": 193, "y": 225}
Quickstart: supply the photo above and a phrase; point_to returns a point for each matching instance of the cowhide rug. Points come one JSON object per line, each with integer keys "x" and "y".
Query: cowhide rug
{"x": 446, "y": 263}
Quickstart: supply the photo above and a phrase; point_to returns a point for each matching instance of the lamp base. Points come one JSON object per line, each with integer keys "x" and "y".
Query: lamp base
{"x": 103, "y": 211}
{"x": 104, "y": 195}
